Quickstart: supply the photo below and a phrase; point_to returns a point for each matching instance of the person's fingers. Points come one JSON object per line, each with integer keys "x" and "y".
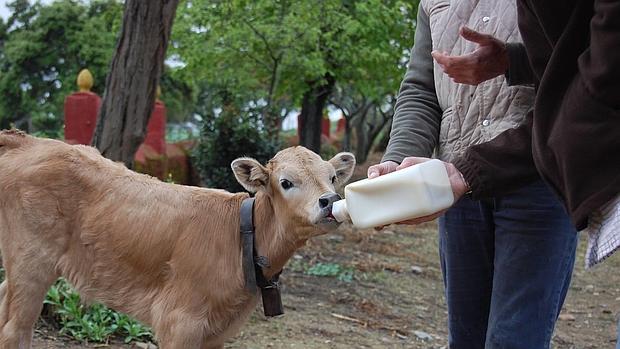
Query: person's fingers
{"x": 418, "y": 220}
{"x": 374, "y": 171}
{"x": 377, "y": 170}
{"x": 440, "y": 57}
{"x": 423, "y": 219}
{"x": 467, "y": 73}
{"x": 381, "y": 169}
{"x": 410, "y": 161}
{"x": 456, "y": 64}
{"x": 461, "y": 75}
{"x": 450, "y": 61}
{"x": 467, "y": 80}
{"x": 474, "y": 36}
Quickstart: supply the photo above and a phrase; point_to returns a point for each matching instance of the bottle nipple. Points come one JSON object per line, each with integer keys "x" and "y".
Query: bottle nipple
{"x": 340, "y": 211}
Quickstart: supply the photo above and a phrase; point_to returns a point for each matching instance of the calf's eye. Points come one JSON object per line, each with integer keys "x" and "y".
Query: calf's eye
{"x": 333, "y": 179}
{"x": 286, "y": 184}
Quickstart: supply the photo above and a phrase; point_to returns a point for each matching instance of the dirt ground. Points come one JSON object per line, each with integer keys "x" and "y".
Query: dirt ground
{"x": 395, "y": 299}
{"x": 391, "y": 296}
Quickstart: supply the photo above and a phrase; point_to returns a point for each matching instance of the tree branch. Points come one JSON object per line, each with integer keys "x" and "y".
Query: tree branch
{"x": 263, "y": 39}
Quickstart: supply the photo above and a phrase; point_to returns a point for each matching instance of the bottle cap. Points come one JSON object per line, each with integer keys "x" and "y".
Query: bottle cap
{"x": 340, "y": 212}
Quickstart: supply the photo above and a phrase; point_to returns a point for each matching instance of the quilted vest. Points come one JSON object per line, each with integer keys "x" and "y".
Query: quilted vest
{"x": 474, "y": 114}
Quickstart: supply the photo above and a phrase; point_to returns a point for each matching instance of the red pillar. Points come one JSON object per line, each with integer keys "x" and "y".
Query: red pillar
{"x": 81, "y": 110}
{"x": 151, "y": 155}
{"x": 325, "y": 126}
{"x": 340, "y": 127}
{"x": 156, "y": 129}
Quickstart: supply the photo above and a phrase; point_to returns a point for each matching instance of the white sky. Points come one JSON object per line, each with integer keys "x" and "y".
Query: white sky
{"x": 4, "y": 13}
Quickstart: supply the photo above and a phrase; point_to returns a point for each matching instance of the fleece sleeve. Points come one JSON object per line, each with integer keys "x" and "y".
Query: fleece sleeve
{"x": 417, "y": 115}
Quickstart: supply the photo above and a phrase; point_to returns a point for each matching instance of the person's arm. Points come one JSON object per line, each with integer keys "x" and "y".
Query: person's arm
{"x": 490, "y": 59}
{"x": 599, "y": 65}
{"x": 591, "y": 99}
{"x": 519, "y": 70}
{"x": 417, "y": 119}
{"x": 501, "y": 165}
{"x": 417, "y": 115}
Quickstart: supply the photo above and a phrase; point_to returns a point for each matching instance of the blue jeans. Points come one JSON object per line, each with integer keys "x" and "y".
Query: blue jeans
{"x": 618, "y": 336}
{"x": 507, "y": 264}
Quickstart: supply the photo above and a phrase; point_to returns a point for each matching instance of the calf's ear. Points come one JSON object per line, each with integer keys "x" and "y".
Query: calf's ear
{"x": 250, "y": 174}
{"x": 344, "y": 163}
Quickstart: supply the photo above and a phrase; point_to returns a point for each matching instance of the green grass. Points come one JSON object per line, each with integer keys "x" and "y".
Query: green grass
{"x": 336, "y": 270}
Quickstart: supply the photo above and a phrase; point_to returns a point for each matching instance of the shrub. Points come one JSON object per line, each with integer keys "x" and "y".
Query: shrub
{"x": 328, "y": 150}
{"x": 225, "y": 137}
{"x": 96, "y": 323}
{"x": 47, "y": 126}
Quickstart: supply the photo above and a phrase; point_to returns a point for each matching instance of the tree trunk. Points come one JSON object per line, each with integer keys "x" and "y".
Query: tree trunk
{"x": 368, "y": 129}
{"x": 362, "y": 143}
{"x": 346, "y": 140}
{"x": 311, "y": 118}
{"x": 134, "y": 74}
{"x": 385, "y": 138}
{"x": 271, "y": 115}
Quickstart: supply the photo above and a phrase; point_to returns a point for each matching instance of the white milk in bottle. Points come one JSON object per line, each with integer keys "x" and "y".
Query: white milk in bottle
{"x": 412, "y": 192}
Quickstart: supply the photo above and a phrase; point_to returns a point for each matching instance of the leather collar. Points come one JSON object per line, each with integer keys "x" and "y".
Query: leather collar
{"x": 253, "y": 264}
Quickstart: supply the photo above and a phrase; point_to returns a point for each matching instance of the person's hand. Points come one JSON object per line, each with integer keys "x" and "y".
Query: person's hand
{"x": 489, "y": 60}
{"x": 457, "y": 182}
{"x": 381, "y": 169}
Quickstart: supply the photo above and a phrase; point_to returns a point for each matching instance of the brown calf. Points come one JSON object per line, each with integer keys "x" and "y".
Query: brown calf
{"x": 169, "y": 255}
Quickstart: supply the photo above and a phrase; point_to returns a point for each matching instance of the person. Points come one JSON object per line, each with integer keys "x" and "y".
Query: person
{"x": 570, "y": 53}
{"x": 574, "y": 127}
{"x": 506, "y": 261}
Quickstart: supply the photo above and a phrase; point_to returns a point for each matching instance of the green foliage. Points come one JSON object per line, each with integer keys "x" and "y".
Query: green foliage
{"x": 269, "y": 53}
{"x": 225, "y": 137}
{"x": 95, "y": 323}
{"x": 378, "y": 277}
{"x": 169, "y": 179}
{"x": 178, "y": 96}
{"x": 297, "y": 265}
{"x": 331, "y": 270}
{"x": 328, "y": 150}
{"x": 261, "y": 54}
{"x": 336, "y": 270}
{"x": 179, "y": 132}
{"x": 43, "y": 49}
{"x": 47, "y": 128}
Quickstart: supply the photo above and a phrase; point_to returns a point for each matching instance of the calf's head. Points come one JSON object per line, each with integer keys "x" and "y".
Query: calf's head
{"x": 301, "y": 186}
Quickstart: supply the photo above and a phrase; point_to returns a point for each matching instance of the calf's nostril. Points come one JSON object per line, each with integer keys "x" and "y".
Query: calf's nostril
{"x": 323, "y": 202}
